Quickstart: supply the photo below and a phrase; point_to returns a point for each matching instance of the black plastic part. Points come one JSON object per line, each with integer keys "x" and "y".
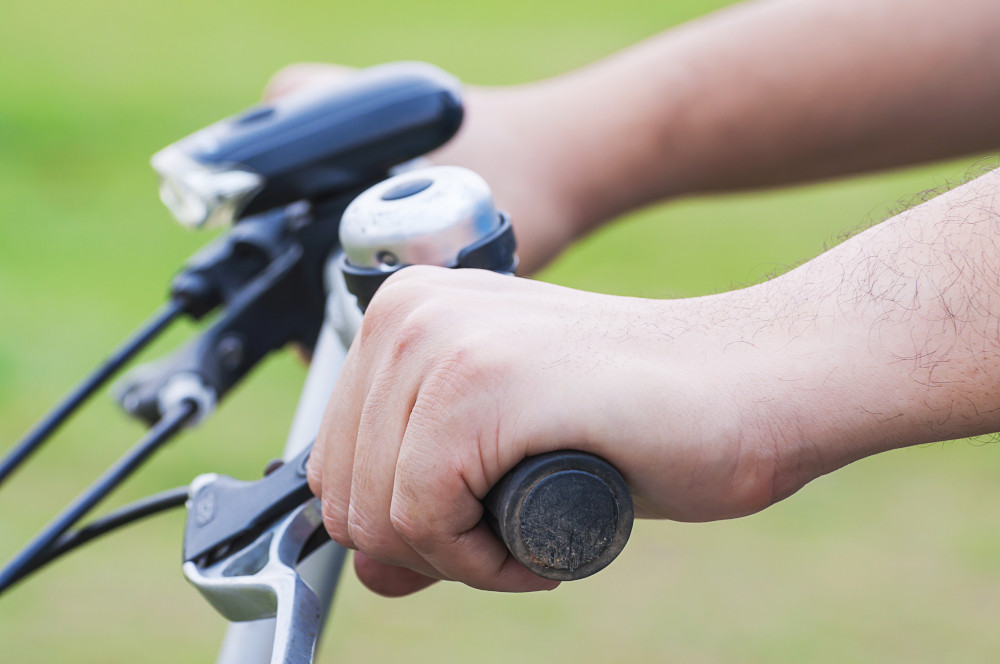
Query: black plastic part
{"x": 321, "y": 143}
{"x": 217, "y": 273}
{"x": 564, "y": 515}
{"x": 327, "y": 146}
{"x": 285, "y": 302}
{"x": 226, "y": 512}
{"x": 495, "y": 252}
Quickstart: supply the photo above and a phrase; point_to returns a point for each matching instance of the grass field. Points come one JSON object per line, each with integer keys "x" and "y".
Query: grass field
{"x": 895, "y": 559}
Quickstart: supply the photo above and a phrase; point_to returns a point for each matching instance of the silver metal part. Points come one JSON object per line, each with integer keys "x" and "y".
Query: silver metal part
{"x": 260, "y": 581}
{"x": 422, "y": 217}
{"x": 187, "y": 387}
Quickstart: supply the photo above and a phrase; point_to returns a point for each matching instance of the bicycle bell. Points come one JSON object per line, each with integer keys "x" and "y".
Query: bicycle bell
{"x": 442, "y": 215}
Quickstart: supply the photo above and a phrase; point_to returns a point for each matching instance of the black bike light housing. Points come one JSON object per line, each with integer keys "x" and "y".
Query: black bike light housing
{"x": 309, "y": 145}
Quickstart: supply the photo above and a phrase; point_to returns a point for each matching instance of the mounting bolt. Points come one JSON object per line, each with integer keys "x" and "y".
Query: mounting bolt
{"x": 231, "y": 351}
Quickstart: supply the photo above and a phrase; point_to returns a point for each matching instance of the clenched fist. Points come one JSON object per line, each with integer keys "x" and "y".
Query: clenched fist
{"x": 457, "y": 375}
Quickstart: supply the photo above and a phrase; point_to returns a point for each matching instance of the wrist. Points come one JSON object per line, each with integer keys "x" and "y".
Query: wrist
{"x": 695, "y": 444}
{"x": 811, "y": 391}
{"x": 773, "y": 397}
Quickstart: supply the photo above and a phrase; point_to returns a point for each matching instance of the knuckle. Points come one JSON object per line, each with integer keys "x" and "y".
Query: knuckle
{"x": 417, "y": 327}
{"x": 391, "y": 304}
{"x": 406, "y": 318}
{"x": 408, "y": 529}
{"x": 407, "y": 283}
{"x": 424, "y": 324}
{"x": 334, "y": 523}
{"x": 365, "y": 538}
{"x": 470, "y": 360}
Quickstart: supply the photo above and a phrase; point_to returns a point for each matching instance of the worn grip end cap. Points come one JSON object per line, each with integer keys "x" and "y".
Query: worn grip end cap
{"x": 566, "y": 515}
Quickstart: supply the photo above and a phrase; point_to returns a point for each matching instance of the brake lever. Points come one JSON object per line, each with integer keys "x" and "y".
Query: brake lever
{"x": 242, "y": 545}
{"x": 260, "y": 581}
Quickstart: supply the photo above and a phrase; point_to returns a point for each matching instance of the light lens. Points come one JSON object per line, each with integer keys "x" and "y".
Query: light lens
{"x": 200, "y": 195}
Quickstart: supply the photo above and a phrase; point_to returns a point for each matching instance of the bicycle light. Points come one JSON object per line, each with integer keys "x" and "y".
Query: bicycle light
{"x": 310, "y": 145}
{"x": 199, "y": 194}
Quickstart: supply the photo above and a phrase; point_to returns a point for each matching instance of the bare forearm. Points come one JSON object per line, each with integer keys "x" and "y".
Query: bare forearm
{"x": 890, "y": 339}
{"x": 775, "y": 92}
{"x": 763, "y": 93}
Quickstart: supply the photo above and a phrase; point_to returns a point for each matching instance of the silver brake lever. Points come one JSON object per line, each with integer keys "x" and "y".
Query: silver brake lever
{"x": 260, "y": 581}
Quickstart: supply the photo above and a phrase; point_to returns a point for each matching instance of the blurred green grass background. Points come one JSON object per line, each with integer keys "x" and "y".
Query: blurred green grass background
{"x": 895, "y": 559}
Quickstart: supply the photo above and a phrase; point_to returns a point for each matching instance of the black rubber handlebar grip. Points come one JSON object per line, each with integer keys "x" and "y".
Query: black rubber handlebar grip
{"x": 563, "y": 515}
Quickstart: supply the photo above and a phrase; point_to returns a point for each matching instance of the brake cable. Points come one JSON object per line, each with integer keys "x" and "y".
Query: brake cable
{"x": 123, "y": 516}
{"x": 50, "y": 423}
{"x": 36, "y": 551}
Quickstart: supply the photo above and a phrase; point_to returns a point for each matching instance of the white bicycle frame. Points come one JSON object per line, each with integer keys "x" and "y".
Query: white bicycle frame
{"x": 252, "y": 642}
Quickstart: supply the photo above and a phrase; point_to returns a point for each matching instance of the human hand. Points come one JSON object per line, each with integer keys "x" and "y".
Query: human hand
{"x": 458, "y": 375}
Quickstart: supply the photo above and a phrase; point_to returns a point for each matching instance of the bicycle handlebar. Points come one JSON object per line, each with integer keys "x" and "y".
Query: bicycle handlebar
{"x": 564, "y": 515}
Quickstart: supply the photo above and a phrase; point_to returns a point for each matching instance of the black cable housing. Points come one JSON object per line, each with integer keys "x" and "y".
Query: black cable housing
{"x": 119, "y": 518}
{"x": 30, "y": 556}
{"x": 52, "y": 420}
